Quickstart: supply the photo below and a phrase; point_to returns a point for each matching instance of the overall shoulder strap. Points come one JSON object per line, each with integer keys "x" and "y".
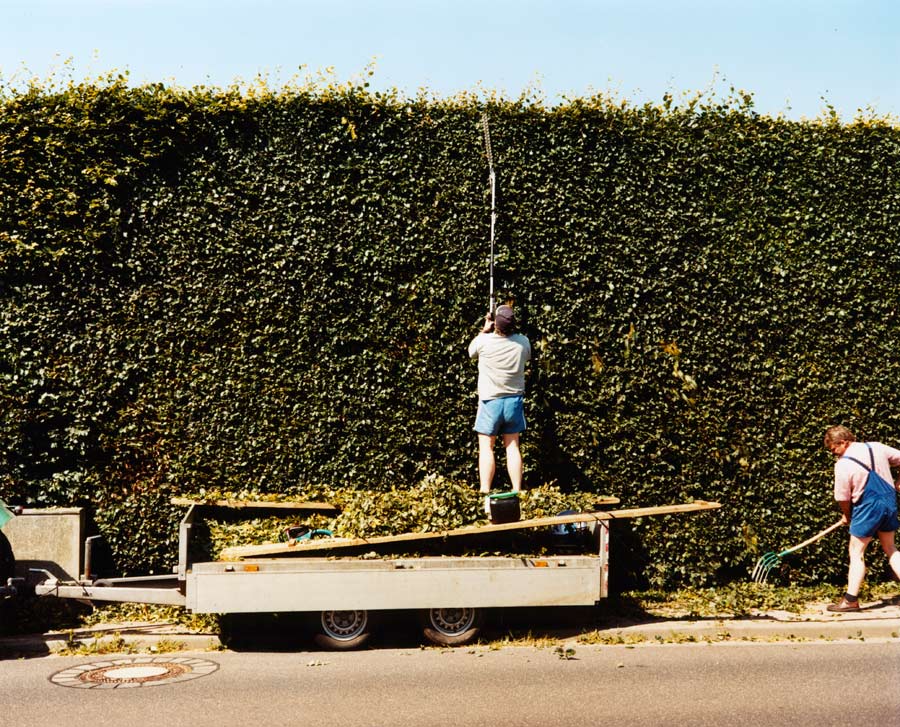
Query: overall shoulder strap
{"x": 871, "y": 455}
{"x": 867, "y": 469}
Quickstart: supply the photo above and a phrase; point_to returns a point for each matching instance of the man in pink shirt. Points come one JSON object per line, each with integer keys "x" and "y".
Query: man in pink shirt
{"x": 867, "y": 496}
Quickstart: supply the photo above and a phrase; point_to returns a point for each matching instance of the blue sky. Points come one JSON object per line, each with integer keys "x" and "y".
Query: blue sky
{"x": 789, "y": 54}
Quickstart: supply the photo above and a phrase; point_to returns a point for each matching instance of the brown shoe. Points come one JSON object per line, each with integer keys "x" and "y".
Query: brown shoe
{"x": 843, "y": 606}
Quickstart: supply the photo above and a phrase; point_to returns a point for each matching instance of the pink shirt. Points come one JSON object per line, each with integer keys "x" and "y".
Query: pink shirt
{"x": 850, "y": 478}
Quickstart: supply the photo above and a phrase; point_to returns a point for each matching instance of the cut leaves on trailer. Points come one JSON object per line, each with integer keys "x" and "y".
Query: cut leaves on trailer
{"x": 270, "y": 549}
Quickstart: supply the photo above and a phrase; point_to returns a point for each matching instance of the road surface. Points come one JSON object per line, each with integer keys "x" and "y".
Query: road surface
{"x": 814, "y": 684}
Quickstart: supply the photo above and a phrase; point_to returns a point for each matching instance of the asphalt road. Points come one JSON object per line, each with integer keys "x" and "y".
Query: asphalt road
{"x": 813, "y": 684}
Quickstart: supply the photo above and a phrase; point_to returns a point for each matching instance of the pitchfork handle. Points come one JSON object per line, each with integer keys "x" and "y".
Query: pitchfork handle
{"x": 814, "y": 538}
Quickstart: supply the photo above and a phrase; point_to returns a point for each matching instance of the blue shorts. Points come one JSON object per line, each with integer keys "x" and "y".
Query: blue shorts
{"x": 874, "y": 515}
{"x": 501, "y": 416}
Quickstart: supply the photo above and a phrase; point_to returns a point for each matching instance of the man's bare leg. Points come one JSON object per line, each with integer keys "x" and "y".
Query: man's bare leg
{"x": 513, "y": 460}
{"x": 890, "y": 550}
{"x": 486, "y": 464}
{"x": 857, "y": 571}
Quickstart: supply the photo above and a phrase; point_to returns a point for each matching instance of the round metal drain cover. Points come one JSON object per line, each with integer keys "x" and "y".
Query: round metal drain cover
{"x": 146, "y": 671}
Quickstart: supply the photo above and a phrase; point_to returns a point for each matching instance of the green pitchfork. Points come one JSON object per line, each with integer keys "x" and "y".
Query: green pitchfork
{"x": 773, "y": 560}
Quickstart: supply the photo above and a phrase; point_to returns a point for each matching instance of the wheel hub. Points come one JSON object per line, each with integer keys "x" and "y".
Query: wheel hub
{"x": 452, "y": 620}
{"x": 344, "y": 624}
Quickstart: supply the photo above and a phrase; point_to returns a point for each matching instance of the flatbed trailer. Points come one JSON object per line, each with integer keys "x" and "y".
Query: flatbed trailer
{"x": 451, "y": 594}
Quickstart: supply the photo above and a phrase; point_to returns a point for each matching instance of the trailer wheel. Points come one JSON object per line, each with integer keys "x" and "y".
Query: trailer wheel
{"x": 342, "y": 630}
{"x": 452, "y": 626}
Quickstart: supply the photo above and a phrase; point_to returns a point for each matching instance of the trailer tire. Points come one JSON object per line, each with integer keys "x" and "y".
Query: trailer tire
{"x": 342, "y": 630}
{"x": 452, "y": 626}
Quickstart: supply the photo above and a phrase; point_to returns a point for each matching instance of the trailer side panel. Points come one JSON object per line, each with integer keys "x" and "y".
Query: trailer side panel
{"x": 321, "y": 584}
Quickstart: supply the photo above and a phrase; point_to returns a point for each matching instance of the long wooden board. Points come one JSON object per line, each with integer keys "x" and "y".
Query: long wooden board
{"x": 261, "y": 504}
{"x": 604, "y": 501}
{"x": 269, "y": 549}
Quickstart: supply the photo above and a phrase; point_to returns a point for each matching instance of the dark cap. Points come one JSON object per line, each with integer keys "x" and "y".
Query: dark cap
{"x": 504, "y": 319}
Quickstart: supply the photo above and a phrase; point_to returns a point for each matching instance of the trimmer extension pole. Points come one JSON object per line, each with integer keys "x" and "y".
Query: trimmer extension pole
{"x": 492, "y": 180}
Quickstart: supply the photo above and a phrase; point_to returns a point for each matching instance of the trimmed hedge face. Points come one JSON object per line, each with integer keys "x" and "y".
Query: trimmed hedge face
{"x": 203, "y": 290}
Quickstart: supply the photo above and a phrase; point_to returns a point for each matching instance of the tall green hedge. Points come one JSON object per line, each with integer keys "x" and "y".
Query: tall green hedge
{"x": 274, "y": 290}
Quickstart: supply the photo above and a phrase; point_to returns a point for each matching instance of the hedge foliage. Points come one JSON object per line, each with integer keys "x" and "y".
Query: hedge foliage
{"x": 269, "y": 290}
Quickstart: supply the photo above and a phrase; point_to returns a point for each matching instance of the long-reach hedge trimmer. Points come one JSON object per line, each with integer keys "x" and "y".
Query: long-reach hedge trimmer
{"x": 492, "y": 180}
{"x": 773, "y": 560}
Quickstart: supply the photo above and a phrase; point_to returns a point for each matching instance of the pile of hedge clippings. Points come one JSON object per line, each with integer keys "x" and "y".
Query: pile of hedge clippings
{"x": 436, "y": 503}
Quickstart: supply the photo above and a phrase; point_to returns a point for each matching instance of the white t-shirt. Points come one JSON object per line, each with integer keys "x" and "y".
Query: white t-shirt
{"x": 501, "y": 364}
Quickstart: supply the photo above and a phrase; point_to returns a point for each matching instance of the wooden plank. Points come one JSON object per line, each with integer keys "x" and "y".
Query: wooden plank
{"x": 604, "y": 501}
{"x": 268, "y": 549}
{"x": 261, "y": 504}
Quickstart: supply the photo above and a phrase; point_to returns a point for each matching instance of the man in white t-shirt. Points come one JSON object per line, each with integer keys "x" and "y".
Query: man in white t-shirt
{"x": 502, "y": 354}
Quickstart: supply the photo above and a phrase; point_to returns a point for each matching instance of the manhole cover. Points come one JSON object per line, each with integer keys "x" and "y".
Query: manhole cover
{"x": 146, "y": 671}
